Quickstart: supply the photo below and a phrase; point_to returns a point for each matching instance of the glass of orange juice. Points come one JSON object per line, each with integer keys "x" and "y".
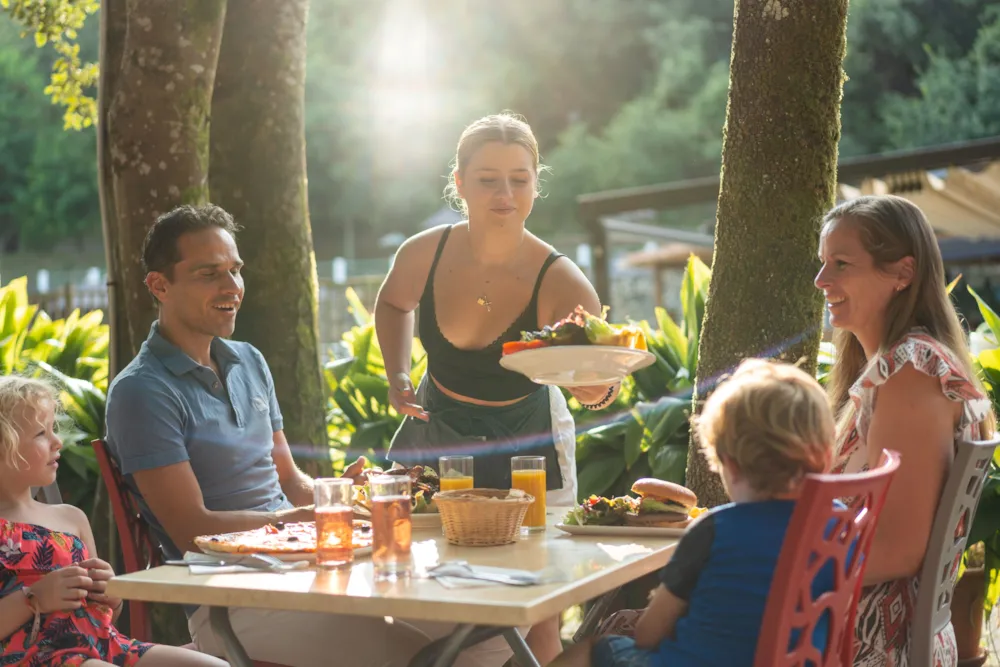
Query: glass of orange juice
{"x": 455, "y": 472}
{"x": 528, "y": 474}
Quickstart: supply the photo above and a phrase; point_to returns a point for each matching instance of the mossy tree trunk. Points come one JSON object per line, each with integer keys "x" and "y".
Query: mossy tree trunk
{"x": 112, "y": 43}
{"x": 258, "y": 173}
{"x": 157, "y": 136}
{"x": 157, "y": 62}
{"x": 779, "y": 168}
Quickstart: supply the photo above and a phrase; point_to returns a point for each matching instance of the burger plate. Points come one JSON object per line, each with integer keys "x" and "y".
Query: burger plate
{"x": 577, "y": 365}
{"x": 620, "y": 531}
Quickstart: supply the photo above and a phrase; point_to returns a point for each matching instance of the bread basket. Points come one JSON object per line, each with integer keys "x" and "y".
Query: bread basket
{"x": 482, "y": 517}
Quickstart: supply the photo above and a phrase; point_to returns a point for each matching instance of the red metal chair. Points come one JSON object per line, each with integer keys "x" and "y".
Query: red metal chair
{"x": 820, "y": 532}
{"x": 138, "y": 549}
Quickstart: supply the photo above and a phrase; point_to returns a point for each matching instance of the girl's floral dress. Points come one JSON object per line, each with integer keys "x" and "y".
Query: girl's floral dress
{"x": 882, "y": 630}
{"x": 65, "y": 638}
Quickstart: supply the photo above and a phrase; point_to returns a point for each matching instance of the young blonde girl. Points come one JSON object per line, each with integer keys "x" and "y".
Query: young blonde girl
{"x": 53, "y": 605}
{"x": 763, "y": 430}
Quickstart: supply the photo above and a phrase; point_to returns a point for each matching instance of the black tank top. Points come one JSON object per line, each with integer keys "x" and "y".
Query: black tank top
{"x": 476, "y": 373}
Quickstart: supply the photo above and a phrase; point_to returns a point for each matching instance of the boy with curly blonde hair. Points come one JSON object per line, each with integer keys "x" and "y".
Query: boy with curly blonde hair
{"x": 763, "y": 430}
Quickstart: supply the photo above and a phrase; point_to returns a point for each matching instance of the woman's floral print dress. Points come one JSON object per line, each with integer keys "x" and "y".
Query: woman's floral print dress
{"x": 882, "y": 634}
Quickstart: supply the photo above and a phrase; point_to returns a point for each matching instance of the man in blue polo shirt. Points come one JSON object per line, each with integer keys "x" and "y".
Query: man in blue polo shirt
{"x": 195, "y": 426}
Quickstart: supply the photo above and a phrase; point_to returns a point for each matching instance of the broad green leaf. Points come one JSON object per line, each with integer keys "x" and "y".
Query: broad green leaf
{"x": 337, "y": 370}
{"x": 668, "y": 462}
{"x": 677, "y": 343}
{"x": 372, "y": 387}
{"x": 599, "y": 475}
{"x": 357, "y": 309}
{"x": 372, "y": 436}
{"x": 989, "y": 360}
{"x": 609, "y": 435}
{"x": 693, "y": 294}
{"x": 674, "y": 418}
{"x": 989, "y": 316}
{"x": 362, "y": 343}
{"x": 633, "y": 442}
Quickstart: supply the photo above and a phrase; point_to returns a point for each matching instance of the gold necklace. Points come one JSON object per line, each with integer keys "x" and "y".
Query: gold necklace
{"x": 485, "y": 303}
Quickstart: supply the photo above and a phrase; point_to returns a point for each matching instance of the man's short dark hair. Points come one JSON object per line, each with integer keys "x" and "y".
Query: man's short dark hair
{"x": 159, "y": 250}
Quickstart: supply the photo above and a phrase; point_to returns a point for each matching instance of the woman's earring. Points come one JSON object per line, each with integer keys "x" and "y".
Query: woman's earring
{"x": 900, "y": 288}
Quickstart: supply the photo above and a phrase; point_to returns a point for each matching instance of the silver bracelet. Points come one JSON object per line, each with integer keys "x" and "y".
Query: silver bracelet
{"x": 601, "y": 403}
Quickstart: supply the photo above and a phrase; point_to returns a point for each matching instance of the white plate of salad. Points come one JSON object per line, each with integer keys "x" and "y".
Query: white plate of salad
{"x": 579, "y": 351}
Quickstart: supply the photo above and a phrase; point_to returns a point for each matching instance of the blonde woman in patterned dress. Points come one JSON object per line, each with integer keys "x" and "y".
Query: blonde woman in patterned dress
{"x": 903, "y": 379}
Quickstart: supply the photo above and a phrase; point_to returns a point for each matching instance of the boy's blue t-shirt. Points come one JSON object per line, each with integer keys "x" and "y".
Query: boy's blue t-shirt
{"x": 723, "y": 567}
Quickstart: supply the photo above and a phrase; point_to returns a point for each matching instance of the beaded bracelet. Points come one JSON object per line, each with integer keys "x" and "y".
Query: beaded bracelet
{"x": 601, "y": 403}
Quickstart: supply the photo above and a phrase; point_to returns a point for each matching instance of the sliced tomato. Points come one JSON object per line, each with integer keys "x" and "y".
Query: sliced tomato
{"x": 521, "y": 345}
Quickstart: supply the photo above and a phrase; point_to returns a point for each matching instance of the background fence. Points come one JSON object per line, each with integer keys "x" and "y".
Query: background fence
{"x": 334, "y": 318}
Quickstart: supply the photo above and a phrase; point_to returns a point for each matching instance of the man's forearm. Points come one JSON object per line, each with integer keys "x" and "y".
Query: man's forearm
{"x": 298, "y": 489}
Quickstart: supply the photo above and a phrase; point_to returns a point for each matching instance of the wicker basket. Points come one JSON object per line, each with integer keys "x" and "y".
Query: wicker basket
{"x": 482, "y": 517}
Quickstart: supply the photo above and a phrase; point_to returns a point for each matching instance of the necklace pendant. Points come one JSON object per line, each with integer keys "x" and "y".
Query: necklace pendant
{"x": 485, "y": 303}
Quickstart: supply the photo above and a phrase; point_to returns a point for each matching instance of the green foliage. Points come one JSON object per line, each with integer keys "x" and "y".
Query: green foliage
{"x": 959, "y": 96}
{"x": 671, "y": 131}
{"x": 381, "y": 134}
{"x": 57, "y": 22}
{"x": 650, "y": 436}
{"x": 360, "y": 419}
{"x": 72, "y": 354}
{"x": 985, "y": 529}
{"x": 889, "y": 43}
{"x": 48, "y": 177}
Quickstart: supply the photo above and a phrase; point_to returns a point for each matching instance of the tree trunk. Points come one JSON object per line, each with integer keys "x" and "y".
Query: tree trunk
{"x": 258, "y": 173}
{"x": 112, "y": 44}
{"x": 157, "y": 133}
{"x": 779, "y": 167}
{"x": 157, "y": 68}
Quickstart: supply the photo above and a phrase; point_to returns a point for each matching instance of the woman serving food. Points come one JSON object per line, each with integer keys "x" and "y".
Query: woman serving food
{"x": 480, "y": 284}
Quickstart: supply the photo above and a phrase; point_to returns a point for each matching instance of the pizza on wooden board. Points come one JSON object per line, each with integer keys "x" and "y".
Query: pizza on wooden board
{"x": 278, "y": 538}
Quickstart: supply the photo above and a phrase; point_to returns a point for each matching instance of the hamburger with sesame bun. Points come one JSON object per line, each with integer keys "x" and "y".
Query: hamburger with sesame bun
{"x": 661, "y": 504}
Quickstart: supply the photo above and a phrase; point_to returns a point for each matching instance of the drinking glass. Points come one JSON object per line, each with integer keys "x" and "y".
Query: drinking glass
{"x": 455, "y": 472}
{"x": 391, "y": 526}
{"x": 527, "y": 473}
{"x": 334, "y": 522}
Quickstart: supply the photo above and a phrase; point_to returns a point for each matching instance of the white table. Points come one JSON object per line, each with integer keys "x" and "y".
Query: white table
{"x": 593, "y": 565}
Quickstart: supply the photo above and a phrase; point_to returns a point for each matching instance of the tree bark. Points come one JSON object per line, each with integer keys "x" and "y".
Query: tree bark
{"x": 258, "y": 173}
{"x": 158, "y": 133}
{"x": 779, "y": 165}
{"x": 112, "y": 44}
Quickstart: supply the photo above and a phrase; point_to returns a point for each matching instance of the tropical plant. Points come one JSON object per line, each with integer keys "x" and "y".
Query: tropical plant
{"x": 360, "y": 420}
{"x": 73, "y": 354}
{"x": 649, "y": 436}
{"x": 983, "y": 546}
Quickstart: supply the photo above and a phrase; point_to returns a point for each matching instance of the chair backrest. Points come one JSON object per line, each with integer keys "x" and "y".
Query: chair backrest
{"x": 139, "y": 551}
{"x": 822, "y": 530}
{"x": 949, "y": 533}
{"x": 49, "y": 495}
